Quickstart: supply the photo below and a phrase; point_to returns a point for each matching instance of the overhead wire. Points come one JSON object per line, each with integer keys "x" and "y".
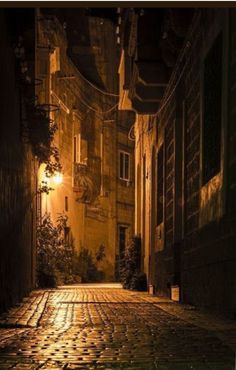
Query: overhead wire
{"x": 95, "y": 110}
{"x": 94, "y": 86}
{"x": 83, "y": 100}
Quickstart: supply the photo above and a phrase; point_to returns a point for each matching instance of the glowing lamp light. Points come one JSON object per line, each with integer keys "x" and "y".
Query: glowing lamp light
{"x": 58, "y": 178}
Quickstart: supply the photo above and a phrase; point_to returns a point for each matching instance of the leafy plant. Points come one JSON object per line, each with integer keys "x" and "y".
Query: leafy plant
{"x": 86, "y": 266}
{"x": 41, "y": 133}
{"x": 57, "y": 261}
{"x": 44, "y": 188}
{"x": 54, "y": 251}
{"x": 100, "y": 254}
{"x": 130, "y": 269}
{"x": 53, "y": 162}
{"x": 47, "y": 252}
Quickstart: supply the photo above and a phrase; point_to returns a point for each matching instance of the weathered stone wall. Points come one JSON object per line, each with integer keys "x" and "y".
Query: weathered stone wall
{"x": 231, "y": 134}
{"x": 145, "y": 142}
{"x": 208, "y": 261}
{"x": 124, "y": 189}
{"x": 197, "y": 251}
{"x": 17, "y": 184}
{"x": 88, "y": 112}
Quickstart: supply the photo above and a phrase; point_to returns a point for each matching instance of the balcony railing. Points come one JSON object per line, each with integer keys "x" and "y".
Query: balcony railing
{"x": 80, "y": 172}
{"x": 84, "y": 184}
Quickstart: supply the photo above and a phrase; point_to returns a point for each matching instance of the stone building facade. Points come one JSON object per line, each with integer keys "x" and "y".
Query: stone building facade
{"x": 90, "y": 136}
{"x": 124, "y": 186}
{"x": 179, "y": 80}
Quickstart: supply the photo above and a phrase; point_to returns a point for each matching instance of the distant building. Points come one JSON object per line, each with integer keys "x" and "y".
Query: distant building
{"x": 97, "y": 188}
{"x": 177, "y": 75}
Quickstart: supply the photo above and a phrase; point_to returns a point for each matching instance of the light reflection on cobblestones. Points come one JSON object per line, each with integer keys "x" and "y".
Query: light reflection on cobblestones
{"x": 92, "y": 328}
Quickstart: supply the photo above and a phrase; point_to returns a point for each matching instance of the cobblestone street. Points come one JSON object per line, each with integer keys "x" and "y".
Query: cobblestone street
{"x": 106, "y": 327}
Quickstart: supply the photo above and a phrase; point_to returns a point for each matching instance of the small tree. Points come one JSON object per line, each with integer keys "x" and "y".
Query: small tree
{"x": 54, "y": 252}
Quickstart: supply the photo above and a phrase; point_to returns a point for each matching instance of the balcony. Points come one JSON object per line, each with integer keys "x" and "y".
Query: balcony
{"x": 147, "y": 86}
{"x": 82, "y": 183}
{"x": 85, "y": 183}
{"x": 152, "y": 40}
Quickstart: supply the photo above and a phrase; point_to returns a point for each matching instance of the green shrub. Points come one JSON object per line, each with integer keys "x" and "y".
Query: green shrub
{"x": 130, "y": 268}
{"x": 55, "y": 253}
{"x": 86, "y": 265}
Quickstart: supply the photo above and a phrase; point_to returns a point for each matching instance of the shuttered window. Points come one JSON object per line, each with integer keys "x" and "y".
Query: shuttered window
{"x": 124, "y": 171}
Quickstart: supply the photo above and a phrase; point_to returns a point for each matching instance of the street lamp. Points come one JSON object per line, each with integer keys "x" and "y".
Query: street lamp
{"x": 58, "y": 178}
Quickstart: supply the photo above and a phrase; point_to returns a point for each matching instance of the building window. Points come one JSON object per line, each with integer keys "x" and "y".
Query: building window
{"x": 160, "y": 185}
{"x": 80, "y": 150}
{"x": 212, "y": 110}
{"x": 124, "y": 172}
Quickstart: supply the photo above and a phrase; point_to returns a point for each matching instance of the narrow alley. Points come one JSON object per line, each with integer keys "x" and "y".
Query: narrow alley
{"x": 102, "y": 326}
{"x": 117, "y": 187}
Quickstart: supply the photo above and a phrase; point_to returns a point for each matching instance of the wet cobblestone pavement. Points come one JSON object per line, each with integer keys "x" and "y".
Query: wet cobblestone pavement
{"x": 96, "y": 327}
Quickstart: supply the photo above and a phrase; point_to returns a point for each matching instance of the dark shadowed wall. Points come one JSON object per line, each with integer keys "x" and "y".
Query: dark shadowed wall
{"x": 16, "y": 181}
